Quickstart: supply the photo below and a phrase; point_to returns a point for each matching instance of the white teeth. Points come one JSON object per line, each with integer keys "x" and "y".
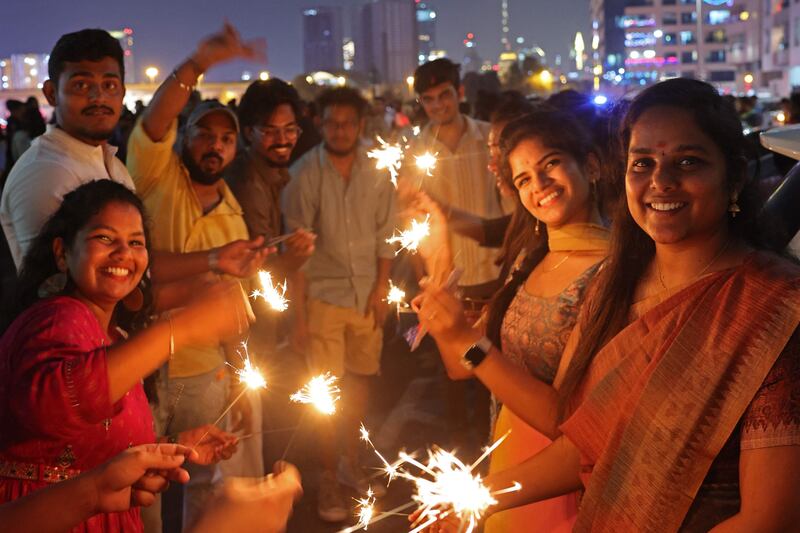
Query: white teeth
{"x": 549, "y": 198}
{"x": 667, "y": 206}
{"x": 117, "y": 271}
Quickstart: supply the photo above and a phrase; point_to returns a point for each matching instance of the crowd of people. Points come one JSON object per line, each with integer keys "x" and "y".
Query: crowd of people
{"x": 595, "y": 281}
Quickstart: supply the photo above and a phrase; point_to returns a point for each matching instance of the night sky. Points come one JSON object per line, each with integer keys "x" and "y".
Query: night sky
{"x": 166, "y": 30}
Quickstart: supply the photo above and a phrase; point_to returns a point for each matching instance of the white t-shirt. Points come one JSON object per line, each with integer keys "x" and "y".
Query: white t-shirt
{"x": 55, "y": 164}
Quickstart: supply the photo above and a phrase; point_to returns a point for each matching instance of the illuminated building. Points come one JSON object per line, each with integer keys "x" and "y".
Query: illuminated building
{"x": 386, "y": 46}
{"x": 781, "y": 49}
{"x": 426, "y": 31}
{"x": 322, "y": 39}
{"x": 125, "y": 38}
{"x": 666, "y": 38}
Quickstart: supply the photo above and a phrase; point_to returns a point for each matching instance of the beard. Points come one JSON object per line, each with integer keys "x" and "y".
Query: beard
{"x": 278, "y": 161}
{"x": 197, "y": 173}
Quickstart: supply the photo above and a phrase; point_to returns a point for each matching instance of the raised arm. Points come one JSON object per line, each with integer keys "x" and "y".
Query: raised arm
{"x": 172, "y": 95}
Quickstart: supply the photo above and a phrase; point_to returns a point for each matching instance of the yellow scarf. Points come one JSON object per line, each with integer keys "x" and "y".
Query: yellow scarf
{"x": 578, "y": 237}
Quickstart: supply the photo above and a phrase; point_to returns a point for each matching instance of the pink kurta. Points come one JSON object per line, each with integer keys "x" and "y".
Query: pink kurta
{"x": 55, "y": 408}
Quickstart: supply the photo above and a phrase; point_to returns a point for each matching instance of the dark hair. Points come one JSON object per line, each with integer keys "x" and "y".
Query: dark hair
{"x": 605, "y": 313}
{"x": 435, "y": 72}
{"x": 84, "y": 45}
{"x": 12, "y": 105}
{"x": 557, "y": 130}
{"x": 511, "y": 105}
{"x": 342, "y": 96}
{"x": 262, "y": 98}
{"x": 39, "y": 263}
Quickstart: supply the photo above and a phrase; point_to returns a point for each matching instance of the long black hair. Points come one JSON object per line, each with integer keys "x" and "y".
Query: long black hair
{"x": 631, "y": 249}
{"x": 556, "y": 129}
{"x": 77, "y": 208}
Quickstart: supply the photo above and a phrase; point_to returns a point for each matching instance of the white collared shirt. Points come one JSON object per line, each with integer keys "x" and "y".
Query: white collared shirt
{"x": 55, "y": 164}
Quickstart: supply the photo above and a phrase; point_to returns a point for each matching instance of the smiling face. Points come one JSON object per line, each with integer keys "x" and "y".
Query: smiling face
{"x": 88, "y": 99}
{"x": 108, "y": 258}
{"x": 440, "y": 103}
{"x": 676, "y": 180}
{"x": 275, "y": 139}
{"x": 551, "y": 183}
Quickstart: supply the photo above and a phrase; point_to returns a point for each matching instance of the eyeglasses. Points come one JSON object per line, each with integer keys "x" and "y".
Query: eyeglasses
{"x": 290, "y": 132}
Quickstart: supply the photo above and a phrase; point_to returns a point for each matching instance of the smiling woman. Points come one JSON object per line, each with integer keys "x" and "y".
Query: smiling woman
{"x": 71, "y": 395}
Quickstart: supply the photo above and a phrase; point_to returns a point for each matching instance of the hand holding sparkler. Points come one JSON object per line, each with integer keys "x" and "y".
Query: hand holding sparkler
{"x": 220, "y": 313}
{"x": 211, "y": 444}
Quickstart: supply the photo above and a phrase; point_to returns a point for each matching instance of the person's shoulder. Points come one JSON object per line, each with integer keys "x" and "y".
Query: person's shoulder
{"x": 47, "y": 312}
{"x": 307, "y": 162}
{"x": 480, "y": 126}
{"x": 41, "y": 164}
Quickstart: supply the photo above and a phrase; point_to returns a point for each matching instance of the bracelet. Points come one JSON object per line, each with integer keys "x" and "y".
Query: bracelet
{"x": 187, "y": 88}
{"x": 213, "y": 261}
{"x": 171, "y": 338}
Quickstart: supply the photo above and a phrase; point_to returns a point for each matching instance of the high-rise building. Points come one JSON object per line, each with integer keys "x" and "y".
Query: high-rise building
{"x": 386, "y": 47}
{"x": 125, "y": 38}
{"x": 718, "y": 42}
{"x": 322, "y": 39}
{"x": 426, "y": 31}
{"x": 781, "y": 47}
{"x": 24, "y": 71}
{"x": 505, "y": 25}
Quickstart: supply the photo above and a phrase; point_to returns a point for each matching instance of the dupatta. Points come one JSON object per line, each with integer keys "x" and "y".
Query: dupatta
{"x": 663, "y": 396}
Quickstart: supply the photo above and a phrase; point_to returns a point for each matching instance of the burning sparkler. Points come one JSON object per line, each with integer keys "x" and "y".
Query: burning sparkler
{"x": 396, "y": 296}
{"x": 249, "y": 376}
{"x": 321, "y": 392}
{"x": 389, "y": 157}
{"x": 366, "y": 508}
{"x": 272, "y": 294}
{"x": 410, "y": 238}
{"x": 389, "y": 469}
{"x": 426, "y": 162}
{"x": 446, "y": 483}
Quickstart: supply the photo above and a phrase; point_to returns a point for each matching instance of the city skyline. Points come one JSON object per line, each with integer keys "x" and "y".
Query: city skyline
{"x": 165, "y": 33}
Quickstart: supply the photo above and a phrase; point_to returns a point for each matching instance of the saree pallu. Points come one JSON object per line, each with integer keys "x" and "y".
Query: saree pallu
{"x": 663, "y": 396}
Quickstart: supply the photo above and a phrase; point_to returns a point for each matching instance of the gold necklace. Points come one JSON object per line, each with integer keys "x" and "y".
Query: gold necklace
{"x": 713, "y": 260}
{"x": 558, "y": 265}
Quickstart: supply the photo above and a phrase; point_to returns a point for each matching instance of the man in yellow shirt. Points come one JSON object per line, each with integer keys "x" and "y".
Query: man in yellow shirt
{"x": 192, "y": 209}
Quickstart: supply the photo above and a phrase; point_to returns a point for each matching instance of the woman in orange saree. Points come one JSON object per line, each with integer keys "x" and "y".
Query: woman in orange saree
{"x": 681, "y": 381}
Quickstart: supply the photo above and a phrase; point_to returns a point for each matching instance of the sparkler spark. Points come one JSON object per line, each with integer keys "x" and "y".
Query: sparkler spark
{"x": 389, "y": 469}
{"x": 426, "y": 162}
{"x": 389, "y": 157}
{"x": 447, "y": 483}
{"x": 321, "y": 392}
{"x": 396, "y": 296}
{"x": 366, "y": 509}
{"x": 410, "y": 238}
{"x": 272, "y": 294}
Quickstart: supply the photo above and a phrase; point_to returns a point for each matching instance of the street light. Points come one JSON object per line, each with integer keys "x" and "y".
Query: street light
{"x": 263, "y": 75}
{"x": 410, "y": 83}
{"x": 151, "y": 72}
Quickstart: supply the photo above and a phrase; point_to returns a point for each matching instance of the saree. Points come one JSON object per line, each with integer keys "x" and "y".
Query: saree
{"x": 660, "y": 400}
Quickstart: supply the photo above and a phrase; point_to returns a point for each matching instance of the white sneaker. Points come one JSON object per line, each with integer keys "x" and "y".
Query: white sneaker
{"x": 330, "y": 504}
{"x": 353, "y": 476}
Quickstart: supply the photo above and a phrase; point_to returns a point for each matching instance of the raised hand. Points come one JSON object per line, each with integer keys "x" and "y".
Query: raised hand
{"x": 227, "y": 45}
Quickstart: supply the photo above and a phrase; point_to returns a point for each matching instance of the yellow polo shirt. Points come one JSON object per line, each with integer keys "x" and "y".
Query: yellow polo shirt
{"x": 177, "y": 222}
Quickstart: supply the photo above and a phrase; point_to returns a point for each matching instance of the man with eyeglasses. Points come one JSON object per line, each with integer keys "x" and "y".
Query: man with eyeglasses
{"x": 339, "y": 296}
{"x": 268, "y": 115}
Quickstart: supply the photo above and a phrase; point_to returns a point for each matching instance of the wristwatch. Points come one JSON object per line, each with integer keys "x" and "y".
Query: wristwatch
{"x": 476, "y": 354}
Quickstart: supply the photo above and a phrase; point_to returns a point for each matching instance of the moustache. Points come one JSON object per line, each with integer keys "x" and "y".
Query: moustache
{"x": 92, "y": 108}
{"x": 210, "y": 156}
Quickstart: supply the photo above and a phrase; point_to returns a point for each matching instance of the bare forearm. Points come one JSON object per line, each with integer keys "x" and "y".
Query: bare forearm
{"x": 529, "y": 398}
{"x": 170, "y": 266}
{"x": 55, "y": 508}
{"x": 129, "y": 362}
{"x": 175, "y": 294}
{"x": 552, "y": 472}
{"x": 170, "y": 98}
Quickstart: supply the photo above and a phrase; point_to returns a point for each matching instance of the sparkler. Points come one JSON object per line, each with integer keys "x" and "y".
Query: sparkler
{"x": 249, "y": 376}
{"x": 396, "y": 296}
{"x": 389, "y": 157}
{"x": 366, "y": 508}
{"x": 272, "y": 294}
{"x": 321, "y": 392}
{"x": 410, "y": 238}
{"x": 426, "y": 162}
{"x": 446, "y": 483}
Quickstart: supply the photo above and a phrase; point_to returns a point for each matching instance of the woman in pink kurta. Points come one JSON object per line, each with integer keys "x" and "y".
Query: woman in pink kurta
{"x": 54, "y": 404}
{"x": 71, "y": 393}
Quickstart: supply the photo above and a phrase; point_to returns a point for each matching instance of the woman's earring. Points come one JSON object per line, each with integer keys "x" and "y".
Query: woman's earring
{"x": 536, "y": 228}
{"x": 53, "y": 285}
{"x": 734, "y": 208}
{"x": 134, "y": 301}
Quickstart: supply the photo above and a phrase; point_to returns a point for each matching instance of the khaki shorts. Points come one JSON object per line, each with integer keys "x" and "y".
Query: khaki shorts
{"x": 342, "y": 339}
